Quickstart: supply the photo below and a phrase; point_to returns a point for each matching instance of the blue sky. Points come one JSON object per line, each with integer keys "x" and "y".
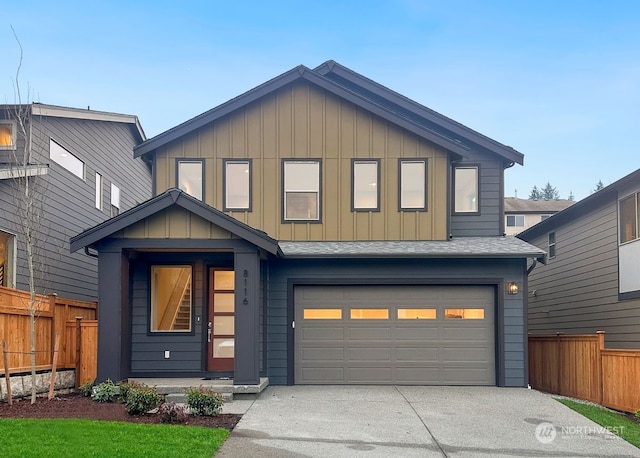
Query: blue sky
{"x": 557, "y": 80}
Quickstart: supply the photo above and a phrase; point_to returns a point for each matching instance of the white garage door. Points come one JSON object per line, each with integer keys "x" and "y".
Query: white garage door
{"x": 423, "y": 335}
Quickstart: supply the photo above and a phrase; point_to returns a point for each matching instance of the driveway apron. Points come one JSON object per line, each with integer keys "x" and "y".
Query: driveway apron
{"x": 408, "y": 421}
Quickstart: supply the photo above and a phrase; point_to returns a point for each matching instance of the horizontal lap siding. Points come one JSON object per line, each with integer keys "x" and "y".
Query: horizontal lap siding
{"x": 577, "y": 292}
{"x": 278, "y": 321}
{"x": 69, "y": 201}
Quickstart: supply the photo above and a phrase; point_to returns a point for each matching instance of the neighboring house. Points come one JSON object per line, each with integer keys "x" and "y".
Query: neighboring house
{"x": 592, "y": 279}
{"x": 521, "y": 214}
{"x": 326, "y": 230}
{"x": 83, "y": 172}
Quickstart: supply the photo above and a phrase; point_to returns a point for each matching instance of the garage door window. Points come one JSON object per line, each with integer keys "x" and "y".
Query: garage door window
{"x": 416, "y": 314}
{"x": 322, "y": 314}
{"x": 369, "y": 314}
{"x": 464, "y": 314}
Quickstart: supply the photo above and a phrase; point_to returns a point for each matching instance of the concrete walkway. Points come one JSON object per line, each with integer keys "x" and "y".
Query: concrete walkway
{"x": 383, "y": 421}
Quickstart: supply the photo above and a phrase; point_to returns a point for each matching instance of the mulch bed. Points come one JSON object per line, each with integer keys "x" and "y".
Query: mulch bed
{"x": 77, "y": 406}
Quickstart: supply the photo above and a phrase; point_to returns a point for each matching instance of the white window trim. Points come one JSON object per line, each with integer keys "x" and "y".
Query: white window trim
{"x": 515, "y": 220}
{"x": 14, "y": 128}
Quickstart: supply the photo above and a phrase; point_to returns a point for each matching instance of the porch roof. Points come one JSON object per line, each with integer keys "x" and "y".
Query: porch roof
{"x": 170, "y": 198}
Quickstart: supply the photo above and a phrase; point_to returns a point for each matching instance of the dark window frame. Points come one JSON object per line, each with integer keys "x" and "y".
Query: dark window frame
{"x": 453, "y": 188}
{"x": 14, "y": 135}
{"x": 426, "y": 184}
{"x": 150, "y": 331}
{"x": 515, "y": 220}
{"x": 635, "y": 197}
{"x": 354, "y": 161}
{"x": 177, "y": 174}
{"x": 283, "y": 218}
{"x": 224, "y": 184}
{"x": 552, "y": 244}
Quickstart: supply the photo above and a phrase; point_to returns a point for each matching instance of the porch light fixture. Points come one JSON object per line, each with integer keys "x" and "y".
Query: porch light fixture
{"x": 512, "y": 288}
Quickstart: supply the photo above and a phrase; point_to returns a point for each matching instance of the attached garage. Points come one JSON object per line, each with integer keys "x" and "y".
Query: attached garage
{"x": 395, "y": 334}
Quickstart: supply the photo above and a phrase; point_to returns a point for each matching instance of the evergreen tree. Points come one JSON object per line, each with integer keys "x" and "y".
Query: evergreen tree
{"x": 599, "y": 186}
{"x": 550, "y": 193}
{"x": 535, "y": 194}
{"x": 571, "y": 197}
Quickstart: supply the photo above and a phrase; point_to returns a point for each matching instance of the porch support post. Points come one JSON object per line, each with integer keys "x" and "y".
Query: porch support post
{"x": 247, "y": 317}
{"x": 112, "y": 288}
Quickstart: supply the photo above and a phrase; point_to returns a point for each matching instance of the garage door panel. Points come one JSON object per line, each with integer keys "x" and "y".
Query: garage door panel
{"x": 410, "y": 347}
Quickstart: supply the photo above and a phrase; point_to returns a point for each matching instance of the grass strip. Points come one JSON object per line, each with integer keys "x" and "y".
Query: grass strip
{"x": 618, "y": 424}
{"x": 80, "y": 438}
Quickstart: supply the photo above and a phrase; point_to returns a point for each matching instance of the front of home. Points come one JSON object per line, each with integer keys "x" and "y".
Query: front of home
{"x": 318, "y": 229}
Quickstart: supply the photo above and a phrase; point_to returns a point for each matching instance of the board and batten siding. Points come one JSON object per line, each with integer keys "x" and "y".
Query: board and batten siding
{"x": 69, "y": 201}
{"x": 489, "y": 221}
{"x": 398, "y": 271}
{"x": 302, "y": 121}
{"x": 577, "y": 291}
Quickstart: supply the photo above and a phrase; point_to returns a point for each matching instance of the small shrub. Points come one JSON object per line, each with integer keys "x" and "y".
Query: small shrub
{"x": 170, "y": 412}
{"x": 125, "y": 387}
{"x": 104, "y": 392}
{"x": 142, "y": 399}
{"x": 86, "y": 389}
{"x": 204, "y": 401}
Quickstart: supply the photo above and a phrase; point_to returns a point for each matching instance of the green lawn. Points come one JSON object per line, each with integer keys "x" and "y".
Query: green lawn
{"x": 625, "y": 428}
{"x": 82, "y": 438}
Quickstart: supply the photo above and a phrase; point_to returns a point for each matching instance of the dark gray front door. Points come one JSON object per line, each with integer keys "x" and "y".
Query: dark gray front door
{"x": 422, "y": 335}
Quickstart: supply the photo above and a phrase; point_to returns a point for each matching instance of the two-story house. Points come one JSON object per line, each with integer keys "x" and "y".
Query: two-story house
{"x": 82, "y": 172}
{"x": 521, "y": 214}
{"x": 317, "y": 229}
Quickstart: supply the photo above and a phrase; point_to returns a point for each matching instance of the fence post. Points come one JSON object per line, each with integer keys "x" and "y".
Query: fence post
{"x": 7, "y": 378}
{"x": 559, "y": 364}
{"x": 52, "y": 309}
{"x": 78, "y": 349}
{"x": 599, "y": 366}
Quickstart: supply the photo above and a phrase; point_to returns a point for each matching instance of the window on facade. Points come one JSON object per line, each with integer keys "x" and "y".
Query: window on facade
{"x": 7, "y": 259}
{"x": 301, "y": 190}
{"x": 515, "y": 220}
{"x": 171, "y": 299}
{"x": 65, "y": 159}
{"x": 365, "y": 185}
{"x": 413, "y": 184}
{"x": 464, "y": 314}
{"x": 466, "y": 189}
{"x": 190, "y": 175}
{"x": 115, "y": 200}
{"x": 629, "y": 220}
{"x": 98, "y": 191}
{"x": 237, "y": 185}
{"x": 7, "y": 135}
{"x": 552, "y": 245}
{"x": 543, "y": 217}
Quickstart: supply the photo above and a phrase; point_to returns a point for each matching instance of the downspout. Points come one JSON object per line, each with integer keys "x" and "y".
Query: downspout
{"x": 531, "y": 267}
{"x": 93, "y": 255}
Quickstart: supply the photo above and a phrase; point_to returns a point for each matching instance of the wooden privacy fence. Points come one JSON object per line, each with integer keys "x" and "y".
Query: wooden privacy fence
{"x": 579, "y": 366}
{"x": 75, "y": 322}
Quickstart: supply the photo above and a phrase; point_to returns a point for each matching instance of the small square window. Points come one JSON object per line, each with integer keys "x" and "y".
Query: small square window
{"x": 171, "y": 299}
{"x": 515, "y": 220}
{"x": 190, "y": 177}
{"x": 301, "y": 194}
{"x": 7, "y": 135}
{"x": 237, "y": 185}
{"x": 413, "y": 184}
{"x": 66, "y": 159}
{"x": 366, "y": 185}
{"x": 465, "y": 194}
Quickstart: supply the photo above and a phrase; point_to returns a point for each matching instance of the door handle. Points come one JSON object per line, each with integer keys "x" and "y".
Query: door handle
{"x": 208, "y": 335}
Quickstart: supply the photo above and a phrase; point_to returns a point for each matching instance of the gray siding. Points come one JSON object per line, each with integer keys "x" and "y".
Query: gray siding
{"x": 489, "y": 222}
{"x": 379, "y": 271}
{"x": 69, "y": 202}
{"x": 577, "y": 291}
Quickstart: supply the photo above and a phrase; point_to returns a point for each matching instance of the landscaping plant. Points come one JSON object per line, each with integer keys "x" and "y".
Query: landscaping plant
{"x": 170, "y": 412}
{"x": 104, "y": 392}
{"x": 204, "y": 401}
{"x": 141, "y": 399}
{"x": 86, "y": 389}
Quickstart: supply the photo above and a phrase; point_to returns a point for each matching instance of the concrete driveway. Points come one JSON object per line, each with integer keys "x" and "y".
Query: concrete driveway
{"x": 408, "y": 421}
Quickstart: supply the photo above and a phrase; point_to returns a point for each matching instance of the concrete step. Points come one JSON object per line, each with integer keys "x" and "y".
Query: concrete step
{"x": 181, "y": 398}
{"x": 174, "y": 388}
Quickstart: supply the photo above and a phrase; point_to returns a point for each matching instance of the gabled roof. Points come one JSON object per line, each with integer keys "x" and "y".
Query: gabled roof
{"x": 582, "y": 207}
{"x": 169, "y": 198}
{"x": 415, "y": 111}
{"x": 374, "y": 98}
{"x": 41, "y": 109}
{"x": 458, "y": 247}
{"x": 515, "y": 205}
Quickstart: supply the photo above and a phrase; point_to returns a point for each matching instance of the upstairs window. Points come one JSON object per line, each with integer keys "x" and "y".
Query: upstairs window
{"x": 237, "y": 185}
{"x": 515, "y": 220}
{"x": 301, "y": 194}
{"x": 413, "y": 184}
{"x": 7, "y": 259}
{"x": 64, "y": 158}
{"x": 98, "y": 191}
{"x": 552, "y": 245}
{"x": 190, "y": 177}
{"x": 543, "y": 217}
{"x": 465, "y": 196}
{"x": 115, "y": 200}
{"x": 7, "y": 135}
{"x": 366, "y": 190}
{"x": 629, "y": 220}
